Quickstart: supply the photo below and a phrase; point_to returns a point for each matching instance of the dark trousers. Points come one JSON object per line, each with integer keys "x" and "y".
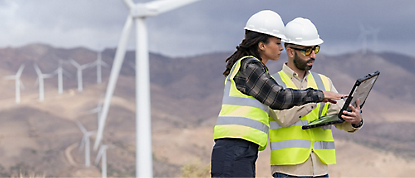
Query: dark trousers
{"x": 233, "y": 157}
{"x": 278, "y": 175}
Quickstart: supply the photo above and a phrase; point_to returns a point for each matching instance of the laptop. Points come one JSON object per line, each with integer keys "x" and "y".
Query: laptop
{"x": 359, "y": 91}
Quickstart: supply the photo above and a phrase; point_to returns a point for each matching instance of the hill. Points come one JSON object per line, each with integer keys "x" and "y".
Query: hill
{"x": 186, "y": 94}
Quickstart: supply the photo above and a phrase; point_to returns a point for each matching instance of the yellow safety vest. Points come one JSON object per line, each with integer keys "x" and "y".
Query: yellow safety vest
{"x": 292, "y": 145}
{"x": 241, "y": 116}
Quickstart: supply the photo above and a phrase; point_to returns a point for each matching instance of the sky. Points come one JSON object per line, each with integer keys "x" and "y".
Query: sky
{"x": 207, "y": 25}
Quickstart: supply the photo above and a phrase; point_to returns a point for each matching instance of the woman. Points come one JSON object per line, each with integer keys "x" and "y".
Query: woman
{"x": 242, "y": 126}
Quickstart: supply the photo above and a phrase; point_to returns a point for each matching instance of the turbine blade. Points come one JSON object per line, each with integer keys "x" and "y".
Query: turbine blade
{"x": 81, "y": 146}
{"x": 95, "y": 110}
{"x": 104, "y": 64}
{"x": 167, "y": 5}
{"x": 56, "y": 72}
{"x": 130, "y": 4}
{"x": 74, "y": 63}
{"x": 37, "y": 69}
{"x": 81, "y": 127}
{"x": 87, "y": 65}
{"x": 100, "y": 152}
{"x": 47, "y": 75}
{"x": 10, "y": 77}
{"x": 115, "y": 71}
{"x": 19, "y": 72}
{"x": 21, "y": 85}
{"x": 64, "y": 72}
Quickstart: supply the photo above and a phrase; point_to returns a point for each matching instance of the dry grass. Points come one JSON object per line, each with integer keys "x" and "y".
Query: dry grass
{"x": 195, "y": 169}
{"x": 29, "y": 175}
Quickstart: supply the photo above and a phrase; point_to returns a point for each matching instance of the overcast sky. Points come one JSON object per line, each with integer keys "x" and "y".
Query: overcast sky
{"x": 207, "y": 25}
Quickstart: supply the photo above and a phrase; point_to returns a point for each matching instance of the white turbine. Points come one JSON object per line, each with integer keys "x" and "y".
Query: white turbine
{"x": 99, "y": 63}
{"x": 102, "y": 154}
{"x": 374, "y": 32}
{"x": 79, "y": 69}
{"x": 18, "y": 82}
{"x": 138, "y": 14}
{"x": 97, "y": 110}
{"x": 363, "y": 37}
{"x": 60, "y": 72}
{"x": 85, "y": 141}
{"x": 40, "y": 80}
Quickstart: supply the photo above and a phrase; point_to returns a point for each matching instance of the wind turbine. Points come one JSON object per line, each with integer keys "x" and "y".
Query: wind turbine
{"x": 18, "y": 82}
{"x": 138, "y": 14}
{"x": 60, "y": 73}
{"x": 102, "y": 154}
{"x": 79, "y": 69}
{"x": 85, "y": 141}
{"x": 97, "y": 110}
{"x": 363, "y": 37}
{"x": 99, "y": 63}
{"x": 374, "y": 32}
{"x": 40, "y": 80}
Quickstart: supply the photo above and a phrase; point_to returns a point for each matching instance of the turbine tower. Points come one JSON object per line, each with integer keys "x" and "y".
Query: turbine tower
{"x": 60, "y": 72}
{"x": 85, "y": 141}
{"x": 79, "y": 69}
{"x": 18, "y": 82}
{"x": 99, "y": 63}
{"x": 138, "y": 14}
{"x": 40, "y": 80}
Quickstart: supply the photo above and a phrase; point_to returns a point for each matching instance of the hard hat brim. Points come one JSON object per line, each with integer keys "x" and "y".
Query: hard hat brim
{"x": 282, "y": 36}
{"x": 306, "y": 43}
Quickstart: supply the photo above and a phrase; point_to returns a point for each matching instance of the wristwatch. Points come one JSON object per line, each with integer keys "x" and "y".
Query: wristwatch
{"x": 359, "y": 124}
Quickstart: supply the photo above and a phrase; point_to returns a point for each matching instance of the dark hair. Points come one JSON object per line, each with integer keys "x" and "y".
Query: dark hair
{"x": 248, "y": 47}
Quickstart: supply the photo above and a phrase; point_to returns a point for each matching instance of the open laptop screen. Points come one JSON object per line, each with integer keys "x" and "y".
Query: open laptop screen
{"x": 360, "y": 91}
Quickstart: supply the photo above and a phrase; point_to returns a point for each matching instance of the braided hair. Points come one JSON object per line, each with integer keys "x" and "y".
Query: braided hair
{"x": 248, "y": 47}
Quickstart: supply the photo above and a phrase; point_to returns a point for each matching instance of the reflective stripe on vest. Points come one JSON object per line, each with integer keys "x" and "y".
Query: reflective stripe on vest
{"x": 241, "y": 116}
{"x": 292, "y": 145}
{"x": 324, "y": 145}
{"x": 302, "y": 144}
{"x": 241, "y": 101}
{"x": 242, "y": 121}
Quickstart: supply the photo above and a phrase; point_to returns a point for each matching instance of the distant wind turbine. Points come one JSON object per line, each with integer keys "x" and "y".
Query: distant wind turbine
{"x": 97, "y": 110}
{"x": 85, "y": 142}
{"x": 60, "y": 72}
{"x": 102, "y": 154}
{"x": 99, "y": 63}
{"x": 79, "y": 69}
{"x": 40, "y": 80}
{"x": 138, "y": 14}
{"x": 18, "y": 82}
{"x": 363, "y": 37}
{"x": 374, "y": 32}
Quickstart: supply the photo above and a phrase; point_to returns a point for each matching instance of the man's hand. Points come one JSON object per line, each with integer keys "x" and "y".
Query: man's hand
{"x": 331, "y": 97}
{"x": 353, "y": 117}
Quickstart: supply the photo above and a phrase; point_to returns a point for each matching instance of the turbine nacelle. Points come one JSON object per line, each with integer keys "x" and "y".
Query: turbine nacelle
{"x": 142, "y": 11}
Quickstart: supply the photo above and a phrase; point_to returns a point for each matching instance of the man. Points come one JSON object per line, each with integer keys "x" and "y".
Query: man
{"x": 296, "y": 152}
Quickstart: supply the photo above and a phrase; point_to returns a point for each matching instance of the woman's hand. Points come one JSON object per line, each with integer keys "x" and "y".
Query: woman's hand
{"x": 331, "y": 97}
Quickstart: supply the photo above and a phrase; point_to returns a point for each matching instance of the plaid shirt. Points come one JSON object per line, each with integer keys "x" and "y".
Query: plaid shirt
{"x": 254, "y": 80}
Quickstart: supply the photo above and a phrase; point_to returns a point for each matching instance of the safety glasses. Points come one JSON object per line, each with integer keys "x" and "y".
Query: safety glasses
{"x": 307, "y": 51}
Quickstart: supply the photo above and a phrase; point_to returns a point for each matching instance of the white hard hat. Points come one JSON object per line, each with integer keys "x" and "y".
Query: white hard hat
{"x": 267, "y": 22}
{"x": 301, "y": 31}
